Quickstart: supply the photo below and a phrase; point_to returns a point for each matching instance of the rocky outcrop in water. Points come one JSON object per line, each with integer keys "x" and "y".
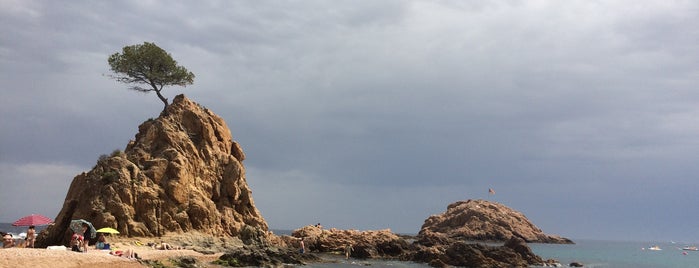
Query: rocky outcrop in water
{"x": 449, "y": 239}
{"x": 365, "y": 244}
{"x": 182, "y": 172}
{"x": 254, "y": 256}
{"x": 514, "y": 253}
{"x": 481, "y": 220}
{"x": 436, "y": 249}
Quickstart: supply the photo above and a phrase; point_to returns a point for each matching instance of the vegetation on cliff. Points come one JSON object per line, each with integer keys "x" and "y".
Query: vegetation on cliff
{"x": 149, "y": 65}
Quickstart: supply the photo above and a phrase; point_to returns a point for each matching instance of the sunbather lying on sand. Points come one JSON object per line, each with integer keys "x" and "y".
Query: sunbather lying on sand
{"x": 128, "y": 253}
{"x": 165, "y": 246}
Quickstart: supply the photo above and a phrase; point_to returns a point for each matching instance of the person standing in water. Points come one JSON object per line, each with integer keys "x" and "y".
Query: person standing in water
{"x": 348, "y": 251}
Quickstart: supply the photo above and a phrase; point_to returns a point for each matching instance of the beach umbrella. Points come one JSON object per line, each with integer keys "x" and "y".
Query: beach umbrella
{"x": 34, "y": 219}
{"x": 77, "y": 226}
{"x": 108, "y": 230}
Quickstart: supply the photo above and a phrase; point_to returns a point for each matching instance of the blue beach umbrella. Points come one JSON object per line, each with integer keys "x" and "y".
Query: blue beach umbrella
{"x": 77, "y": 226}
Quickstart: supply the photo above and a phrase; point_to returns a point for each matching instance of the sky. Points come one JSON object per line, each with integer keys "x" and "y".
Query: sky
{"x": 583, "y": 115}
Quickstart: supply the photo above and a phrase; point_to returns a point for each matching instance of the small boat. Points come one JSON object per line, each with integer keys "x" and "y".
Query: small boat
{"x": 692, "y": 248}
{"x": 655, "y": 248}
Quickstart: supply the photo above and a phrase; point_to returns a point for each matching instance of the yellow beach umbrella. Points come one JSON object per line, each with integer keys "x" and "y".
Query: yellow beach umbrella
{"x": 108, "y": 230}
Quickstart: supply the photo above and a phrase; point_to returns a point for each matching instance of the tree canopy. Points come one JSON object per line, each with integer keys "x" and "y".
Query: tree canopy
{"x": 149, "y": 68}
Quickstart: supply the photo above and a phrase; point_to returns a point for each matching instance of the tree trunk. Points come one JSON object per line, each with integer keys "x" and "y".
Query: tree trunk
{"x": 162, "y": 98}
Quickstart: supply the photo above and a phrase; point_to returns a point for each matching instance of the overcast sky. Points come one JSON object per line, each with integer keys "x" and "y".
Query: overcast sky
{"x": 583, "y": 115}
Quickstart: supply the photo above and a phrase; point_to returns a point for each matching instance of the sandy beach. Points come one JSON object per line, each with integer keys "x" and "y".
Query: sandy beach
{"x": 35, "y": 257}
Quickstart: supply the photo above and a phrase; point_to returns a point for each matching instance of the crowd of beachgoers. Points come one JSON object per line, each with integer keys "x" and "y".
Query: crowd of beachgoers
{"x": 107, "y": 249}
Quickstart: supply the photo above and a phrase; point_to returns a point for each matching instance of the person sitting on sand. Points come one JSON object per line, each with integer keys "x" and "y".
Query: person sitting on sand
{"x": 76, "y": 242}
{"x": 8, "y": 241}
{"x": 101, "y": 242}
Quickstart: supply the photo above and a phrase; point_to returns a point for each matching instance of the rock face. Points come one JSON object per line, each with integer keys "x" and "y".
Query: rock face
{"x": 182, "y": 172}
{"x": 437, "y": 250}
{"x": 252, "y": 256}
{"x": 365, "y": 244}
{"x": 514, "y": 253}
{"x": 480, "y": 220}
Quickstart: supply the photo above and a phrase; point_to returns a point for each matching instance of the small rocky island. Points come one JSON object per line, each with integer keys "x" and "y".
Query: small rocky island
{"x": 481, "y": 220}
{"x": 183, "y": 173}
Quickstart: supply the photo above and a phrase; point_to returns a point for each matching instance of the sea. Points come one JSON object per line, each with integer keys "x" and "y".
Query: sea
{"x": 591, "y": 253}
{"x": 16, "y": 230}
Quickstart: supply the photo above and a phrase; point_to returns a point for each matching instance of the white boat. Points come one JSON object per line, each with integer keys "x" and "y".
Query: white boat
{"x": 655, "y": 248}
{"x": 691, "y": 248}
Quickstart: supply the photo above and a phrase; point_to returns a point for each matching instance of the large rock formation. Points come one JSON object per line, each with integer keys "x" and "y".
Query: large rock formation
{"x": 450, "y": 238}
{"x": 371, "y": 244}
{"x": 442, "y": 252}
{"x": 514, "y": 253}
{"x": 182, "y": 172}
{"x": 481, "y": 220}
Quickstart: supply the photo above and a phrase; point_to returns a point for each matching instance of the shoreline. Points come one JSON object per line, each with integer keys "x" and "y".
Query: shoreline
{"x": 40, "y": 257}
{"x": 57, "y": 258}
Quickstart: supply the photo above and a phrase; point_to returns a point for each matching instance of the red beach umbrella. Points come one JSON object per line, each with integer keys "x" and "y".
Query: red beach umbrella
{"x": 34, "y": 219}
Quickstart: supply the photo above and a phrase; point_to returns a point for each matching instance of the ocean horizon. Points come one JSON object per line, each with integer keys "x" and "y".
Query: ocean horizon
{"x": 590, "y": 252}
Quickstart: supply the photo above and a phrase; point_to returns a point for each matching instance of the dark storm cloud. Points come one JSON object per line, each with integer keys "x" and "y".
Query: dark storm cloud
{"x": 393, "y": 108}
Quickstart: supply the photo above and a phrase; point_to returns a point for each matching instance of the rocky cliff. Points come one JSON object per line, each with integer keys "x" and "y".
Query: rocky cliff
{"x": 182, "y": 172}
{"x": 481, "y": 220}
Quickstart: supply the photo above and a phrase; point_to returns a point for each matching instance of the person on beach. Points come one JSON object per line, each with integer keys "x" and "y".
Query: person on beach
{"x": 76, "y": 242}
{"x": 8, "y": 241}
{"x": 165, "y": 246}
{"x": 128, "y": 253}
{"x": 348, "y": 251}
{"x": 86, "y": 236}
{"x": 101, "y": 242}
{"x": 303, "y": 247}
{"x": 31, "y": 236}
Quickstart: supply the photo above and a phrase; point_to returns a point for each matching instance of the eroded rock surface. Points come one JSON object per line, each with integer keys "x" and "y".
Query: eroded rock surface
{"x": 182, "y": 172}
{"x": 481, "y": 220}
{"x": 365, "y": 244}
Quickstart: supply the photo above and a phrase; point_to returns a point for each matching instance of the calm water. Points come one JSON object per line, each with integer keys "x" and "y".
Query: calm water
{"x": 617, "y": 254}
{"x": 608, "y": 254}
{"x": 592, "y": 253}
